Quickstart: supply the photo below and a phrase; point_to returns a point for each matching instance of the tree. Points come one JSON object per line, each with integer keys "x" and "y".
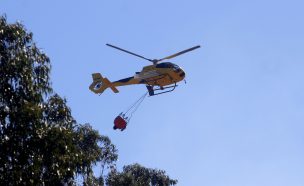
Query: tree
{"x": 137, "y": 175}
{"x": 40, "y": 142}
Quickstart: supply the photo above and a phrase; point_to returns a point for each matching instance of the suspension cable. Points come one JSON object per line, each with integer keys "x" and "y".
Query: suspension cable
{"x": 137, "y": 106}
{"x": 137, "y": 102}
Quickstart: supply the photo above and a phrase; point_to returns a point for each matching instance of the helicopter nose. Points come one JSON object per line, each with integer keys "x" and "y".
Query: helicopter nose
{"x": 182, "y": 73}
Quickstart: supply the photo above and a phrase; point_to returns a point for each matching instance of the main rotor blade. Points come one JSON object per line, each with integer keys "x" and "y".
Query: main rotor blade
{"x": 179, "y": 53}
{"x": 128, "y": 52}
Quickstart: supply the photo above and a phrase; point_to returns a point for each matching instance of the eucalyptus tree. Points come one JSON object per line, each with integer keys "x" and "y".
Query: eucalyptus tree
{"x": 40, "y": 141}
{"x": 137, "y": 175}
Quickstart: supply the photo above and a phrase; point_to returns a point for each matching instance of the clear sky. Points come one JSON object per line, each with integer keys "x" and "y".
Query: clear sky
{"x": 238, "y": 121}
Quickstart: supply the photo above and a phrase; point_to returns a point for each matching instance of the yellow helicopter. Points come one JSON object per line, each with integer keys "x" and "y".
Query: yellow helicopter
{"x": 158, "y": 77}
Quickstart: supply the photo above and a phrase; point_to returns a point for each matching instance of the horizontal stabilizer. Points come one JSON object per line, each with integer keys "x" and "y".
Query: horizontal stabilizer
{"x": 100, "y": 84}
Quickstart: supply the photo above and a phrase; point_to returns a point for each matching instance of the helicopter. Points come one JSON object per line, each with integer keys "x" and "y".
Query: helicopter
{"x": 160, "y": 77}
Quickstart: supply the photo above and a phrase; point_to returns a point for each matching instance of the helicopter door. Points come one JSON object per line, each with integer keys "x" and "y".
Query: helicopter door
{"x": 146, "y": 75}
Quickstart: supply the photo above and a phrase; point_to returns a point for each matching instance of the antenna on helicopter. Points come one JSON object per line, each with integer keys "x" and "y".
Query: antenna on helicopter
{"x": 155, "y": 61}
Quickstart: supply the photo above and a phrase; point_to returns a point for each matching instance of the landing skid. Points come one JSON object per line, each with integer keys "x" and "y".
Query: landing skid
{"x": 152, "y": 92}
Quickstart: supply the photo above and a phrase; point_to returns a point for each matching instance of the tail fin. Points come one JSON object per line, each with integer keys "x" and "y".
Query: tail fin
{"x": 100, "y": 84}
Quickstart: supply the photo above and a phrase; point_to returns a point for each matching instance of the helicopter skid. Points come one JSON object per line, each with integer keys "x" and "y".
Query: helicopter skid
{"x": 151, "y": 90}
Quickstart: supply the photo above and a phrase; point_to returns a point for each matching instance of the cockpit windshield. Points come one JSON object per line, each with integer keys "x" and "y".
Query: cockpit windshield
{"x": 167, "y": 65}
{"x": 175, "y": 67}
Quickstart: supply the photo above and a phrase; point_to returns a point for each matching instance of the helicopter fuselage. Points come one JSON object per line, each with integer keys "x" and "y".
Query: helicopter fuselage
{"x": 161, "y": 75}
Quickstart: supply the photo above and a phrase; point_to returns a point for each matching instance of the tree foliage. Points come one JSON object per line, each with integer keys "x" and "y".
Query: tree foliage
{"x": 137, "y": 175}
{"x": 40, "y": 141}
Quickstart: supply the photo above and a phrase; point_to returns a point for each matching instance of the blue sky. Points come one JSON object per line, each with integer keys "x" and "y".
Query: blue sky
{"x": 239, "y": 119}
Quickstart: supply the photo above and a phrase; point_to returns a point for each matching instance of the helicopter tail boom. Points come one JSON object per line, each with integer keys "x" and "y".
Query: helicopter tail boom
{"x": 100, "y": 84}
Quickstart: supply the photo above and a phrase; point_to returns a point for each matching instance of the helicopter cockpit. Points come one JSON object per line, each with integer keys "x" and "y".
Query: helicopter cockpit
{"x": 173, "y": 66}
{"x": 167, "y": 65}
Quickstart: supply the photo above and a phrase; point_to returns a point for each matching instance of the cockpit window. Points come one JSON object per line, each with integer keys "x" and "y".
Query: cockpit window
{"x": 167, "y": 65}
{"x": 175, "y": 67}
{"x": 164, "y": 65}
